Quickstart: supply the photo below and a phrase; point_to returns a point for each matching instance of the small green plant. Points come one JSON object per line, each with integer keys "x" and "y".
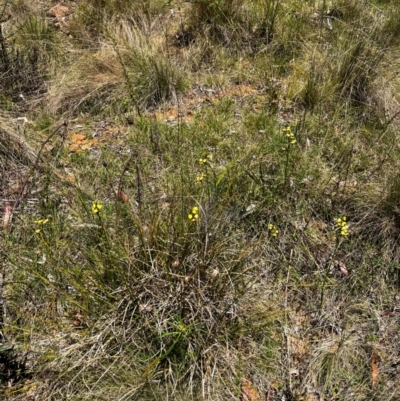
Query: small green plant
{"x": 6, "y": 103}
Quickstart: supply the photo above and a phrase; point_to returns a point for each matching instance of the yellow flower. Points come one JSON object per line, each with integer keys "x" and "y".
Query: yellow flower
{"x": 342, "y": 226}
{"x": 205, "y": 159}
{"x": 194, "y": 214}
{"x": 96, "y": 207}
{"x": 273, "y": 230}
{"x": 199, "y": 178}
{"x": 290, "y": 136}
{"x": 41, "y": 221}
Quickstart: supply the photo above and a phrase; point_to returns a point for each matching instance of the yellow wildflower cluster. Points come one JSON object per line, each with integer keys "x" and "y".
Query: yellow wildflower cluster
{"x": 40, "y": 222}
{"x": 343, "y": 226}
{"x": 200, "y": 177}
{"x": 273, "y": 229}
{"x": 96, "y": 207}
{"x": 205, "y": 159}
{"x": 290, "y": 136}
{"x": 194, "y": 214}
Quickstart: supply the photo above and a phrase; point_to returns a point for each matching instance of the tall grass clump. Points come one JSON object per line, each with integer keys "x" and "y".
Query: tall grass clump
{"x": 30, "y": 50}
{"x": 154, "y": 78}
{"x": 128, "y": 70}
{"x": 92, "y": 16}
{"x": 357, "y": 69}
{"x": 156, "y": 282}
{"x": 240, "y": 26}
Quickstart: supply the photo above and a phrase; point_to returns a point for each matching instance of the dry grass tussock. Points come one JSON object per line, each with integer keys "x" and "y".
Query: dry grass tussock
{"x": 13, "y": 145}
{"x": 204, "y": 203}
{"x": 129, "y": 69}
{"x": 93, "y": 80}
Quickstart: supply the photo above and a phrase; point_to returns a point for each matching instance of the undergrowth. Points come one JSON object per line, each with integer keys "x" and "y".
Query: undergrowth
{"x": 199, "y": 200}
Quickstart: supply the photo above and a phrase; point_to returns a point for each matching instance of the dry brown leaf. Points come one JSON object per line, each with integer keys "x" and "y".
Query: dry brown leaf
{"x": 342, "y": 268}
{"x": 388, "y": 313}
{"x": 74, "y": 148}
{"x": 76, "y": 137}
{"x": 70, "y": 178}
{"x": 58, "y": 11}
{"x": 7, "y": 216}
{"x": 80, "y": 142}
{"x": 298, "y": 347}
{"x": 88, "y": 144}
{"x": 374, "y": 368}
{"x": 347, "y": 184}
{"x": 249, "y": 392}
{"x": 122, "y": 196}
